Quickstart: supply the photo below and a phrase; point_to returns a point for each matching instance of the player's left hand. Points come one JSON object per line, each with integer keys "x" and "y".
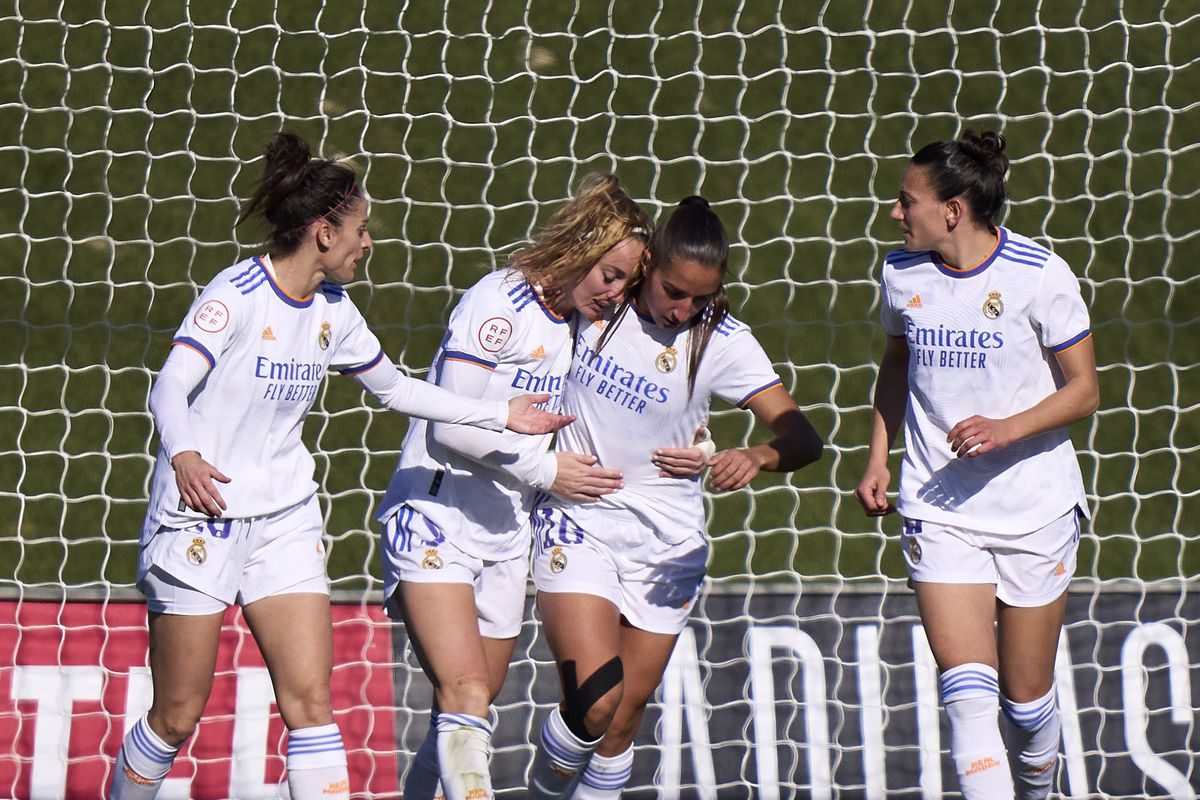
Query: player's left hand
{"x": 525, "y": 417}
{"x": 732, "y": 469}
{"x": 975, "y": 436}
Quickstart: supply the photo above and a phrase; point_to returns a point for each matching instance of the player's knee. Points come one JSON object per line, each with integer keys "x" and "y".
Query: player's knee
{"x": 590, "y": 706}
{"x": 306, "y": 706}
{"x": 174, "y": 723}
{"x": 465, "y": 695}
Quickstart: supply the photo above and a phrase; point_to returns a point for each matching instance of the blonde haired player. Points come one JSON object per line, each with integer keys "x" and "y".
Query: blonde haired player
{"x": 989, "y": 358}
{"x": 455, "y": 518}
{"x": 616, "y": 579}
{"x": 229, "y": 405}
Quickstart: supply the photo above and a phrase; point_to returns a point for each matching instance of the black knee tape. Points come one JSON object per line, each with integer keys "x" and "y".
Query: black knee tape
{"x": 578, "y": 699}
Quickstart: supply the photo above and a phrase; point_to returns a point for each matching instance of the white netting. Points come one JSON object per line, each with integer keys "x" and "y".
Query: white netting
{"x": 130, "y": 128}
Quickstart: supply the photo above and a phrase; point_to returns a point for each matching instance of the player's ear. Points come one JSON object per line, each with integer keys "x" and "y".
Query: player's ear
{"x": 954, "y": 210}
{"x": 323, "y": 235}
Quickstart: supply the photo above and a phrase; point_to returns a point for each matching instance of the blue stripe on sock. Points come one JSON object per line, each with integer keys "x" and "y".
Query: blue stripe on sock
{"x": 464, "y": 719}
{"x": 147, "y": 746}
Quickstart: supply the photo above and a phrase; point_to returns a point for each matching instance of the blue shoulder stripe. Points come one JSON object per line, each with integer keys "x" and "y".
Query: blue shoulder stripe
{"x": 1021, "y": 257}
{"x": 332, "y": 288}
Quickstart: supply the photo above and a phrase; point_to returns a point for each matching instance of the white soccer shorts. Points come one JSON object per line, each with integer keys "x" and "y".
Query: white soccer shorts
{"x": 416, "y": 550}
{"x": 1029, "y": 570}
{"x": 617, "y": 557}
{"x": 211, "y": 565}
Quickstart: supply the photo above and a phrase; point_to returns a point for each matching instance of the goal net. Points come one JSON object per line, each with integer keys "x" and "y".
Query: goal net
{"x": 132, "y": 128}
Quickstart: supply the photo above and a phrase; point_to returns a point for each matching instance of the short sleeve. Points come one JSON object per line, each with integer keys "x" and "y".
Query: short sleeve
{"x": 892, "y": 320}
{"x": 355, "y": 348}
{"x": 1058, "y": 311}
{"x": 213, "y": 322}
{"x": 482, "y": 324}
{"x": 742, "y": 368}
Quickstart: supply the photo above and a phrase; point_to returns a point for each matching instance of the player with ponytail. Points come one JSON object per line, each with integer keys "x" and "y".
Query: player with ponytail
{"x": 989, "y": 359}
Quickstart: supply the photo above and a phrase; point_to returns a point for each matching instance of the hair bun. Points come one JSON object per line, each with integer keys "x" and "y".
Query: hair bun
{"x": 986, "y": 148}
{"x": 694, "y": 200}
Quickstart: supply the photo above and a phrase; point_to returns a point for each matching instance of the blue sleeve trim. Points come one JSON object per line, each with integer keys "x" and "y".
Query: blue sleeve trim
{"x": 199, "y": 348}
{"x": 1069, "y": 343}
{"x": 745, "y": 401}
{"x": 458, "y": 355}
{"x": 363, "y": 368}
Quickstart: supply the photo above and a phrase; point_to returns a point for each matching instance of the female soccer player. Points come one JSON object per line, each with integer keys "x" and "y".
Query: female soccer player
{"x": 229, "y": 404}
{"x": 456, "y": 514}
{"x": 616, "y": 578}
{"x": 989, "y": 358}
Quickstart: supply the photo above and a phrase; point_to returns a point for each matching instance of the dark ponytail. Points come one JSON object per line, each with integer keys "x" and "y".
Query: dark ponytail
{"x": 296, "y": 190}
{"x": 972, "y": 167}
{"x": 692, "y": 232}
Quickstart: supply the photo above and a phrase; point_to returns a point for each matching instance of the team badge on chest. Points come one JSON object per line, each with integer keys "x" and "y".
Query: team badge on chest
{"x": 196, "y": 554}
{"x": 324, "y": 337}
{"x": 993, "y": 307}
{"x": 558, "y": 560}
{"x": 666, "y": 360}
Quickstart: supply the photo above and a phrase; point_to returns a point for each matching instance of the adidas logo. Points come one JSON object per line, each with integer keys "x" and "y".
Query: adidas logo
{"x": 538, "y": 352}
{"x": 914, "y": 302}
{"x": 267, "y": 335}
{"x": 1060, "y": 570}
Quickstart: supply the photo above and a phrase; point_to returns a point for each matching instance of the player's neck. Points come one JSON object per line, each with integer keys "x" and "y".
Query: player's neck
{"x": 969, "y": 248}
{"x": 294, "y": 277}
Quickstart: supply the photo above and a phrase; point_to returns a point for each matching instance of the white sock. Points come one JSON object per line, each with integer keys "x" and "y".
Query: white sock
{"x": 971, "y": 695}
{"x": 560, "y": 758}
{"x": 1033, "y": 740}
{"x": 423, "y": 781}
{"x": 142, "y": 763}
{"x": 464, "y": 748}
{"x": 316, "y": 764}
{"x": 605, "y": 777}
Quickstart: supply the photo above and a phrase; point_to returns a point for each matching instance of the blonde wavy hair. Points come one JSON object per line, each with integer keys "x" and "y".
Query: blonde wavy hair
{"x": 598, "y": 218}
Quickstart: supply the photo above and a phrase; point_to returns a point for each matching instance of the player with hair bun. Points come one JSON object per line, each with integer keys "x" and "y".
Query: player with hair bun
{"x": 229, "y": 405}
{"x": 989, "y": 359}
{"x": 616, "y": 579}
{"x": 456, "y": 524}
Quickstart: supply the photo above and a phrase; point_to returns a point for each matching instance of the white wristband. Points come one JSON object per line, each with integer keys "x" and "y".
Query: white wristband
{"x": 708, "y": 447}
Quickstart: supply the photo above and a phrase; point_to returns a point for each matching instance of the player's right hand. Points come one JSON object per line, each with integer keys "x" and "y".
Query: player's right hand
{"x": 872, "y": 492}
{"x": 524, "y": 416}
{"x": 194, "y": 476}
{"x": 579, "y": 478}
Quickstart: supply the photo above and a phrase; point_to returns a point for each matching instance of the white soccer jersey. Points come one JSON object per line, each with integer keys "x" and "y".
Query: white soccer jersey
{"x": 631, "y": 398}
{"x": 983, "y": 341}
{"x": 499, "y": 325}
{"x": 268, "y": 353}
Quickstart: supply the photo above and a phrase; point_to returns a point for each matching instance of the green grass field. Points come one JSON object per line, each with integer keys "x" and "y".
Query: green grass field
{"x": 130, "y": 128}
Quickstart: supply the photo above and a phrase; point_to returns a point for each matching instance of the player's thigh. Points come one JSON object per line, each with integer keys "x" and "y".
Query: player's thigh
{"x": 295, "y": 634}
{"x": 959, "y": 621}
{"x": 497, "y": 653}
{"x": 442, "y": 624}
{"x": 1028, "y": 645}
{"x": 644, "y": 655}
{"x": 580, "y": 628}
{"x": 183, "y": 657}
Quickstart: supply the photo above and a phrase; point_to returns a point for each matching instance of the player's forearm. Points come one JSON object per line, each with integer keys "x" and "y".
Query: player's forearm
{"x": 180, "y": 375}
{"x": 497, "y": 451}
{"x": 891, "y": 399}
{"x": 418, "y": 398}
{"x": 1076, "y": 400}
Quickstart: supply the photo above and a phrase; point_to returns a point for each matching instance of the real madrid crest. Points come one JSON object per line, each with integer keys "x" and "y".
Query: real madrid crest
{"x": 914, "y": 550}
{"x": 431, "y": 560}
{"x": 666, "y": 360}
{"x": 558, "y": 560}
{"x": 324, "y": 336}
{"x": 196, "y": 554}
{"x": 993, "y": 307}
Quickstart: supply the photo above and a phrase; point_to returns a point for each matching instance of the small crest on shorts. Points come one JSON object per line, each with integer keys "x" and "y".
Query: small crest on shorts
{"x": 666, "y": 360}
{"x": 431, "y": 560}
{"x": 196, "y": 553}
{"x": 993, "y": 307}
{"x": 914, "y": 550}
{"x": 558, "y": 560}
{"x": 325, "y": 336}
